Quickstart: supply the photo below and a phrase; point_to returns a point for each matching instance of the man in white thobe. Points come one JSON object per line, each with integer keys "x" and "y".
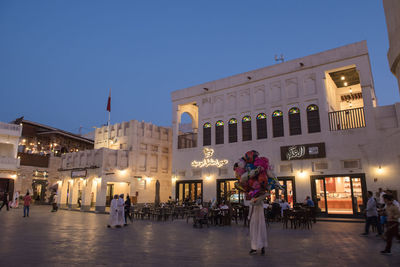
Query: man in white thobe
{"x": 121, "y": 210}
{"x": 113, "y": 212}
{"x": 258, "y": 229}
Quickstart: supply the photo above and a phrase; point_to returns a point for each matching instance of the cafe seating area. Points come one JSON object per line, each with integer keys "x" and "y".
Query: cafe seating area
{"x": 298, "y": 217}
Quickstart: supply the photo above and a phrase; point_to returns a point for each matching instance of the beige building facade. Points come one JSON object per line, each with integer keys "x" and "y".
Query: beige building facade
{"x": 9, "y": 161}
{"x": 129, "y": 158}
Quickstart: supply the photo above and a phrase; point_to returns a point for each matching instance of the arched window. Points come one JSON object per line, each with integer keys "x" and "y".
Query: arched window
{"x": 261, "y": 126}
{"x": 313, "y": 119}
{"x": 207, "y": 134}
{"x": 232, "y": 130}
{"x": 219, "y": 132}
{"x": 277, "y": 123}
{"x": 187, "y": 136}
{"x": 294, "y": 121}
{"x": 246, "y": 128}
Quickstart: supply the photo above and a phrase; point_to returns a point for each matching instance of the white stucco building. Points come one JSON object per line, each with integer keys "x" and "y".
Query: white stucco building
{"x": 392, "y": 11}
{"x": 9, "y": 161}
{"x": 316, "y": 118}
{"x": 130, "y": 159}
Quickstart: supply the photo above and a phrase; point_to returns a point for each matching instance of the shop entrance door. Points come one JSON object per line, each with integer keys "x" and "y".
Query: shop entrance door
{"x": 339, "y": 194}
{"x": 289, "y": 194}
{"x": 6, "y": 185}
{"x": 109, "y": 194}
{"x": 189, "y": 191}
{"x": 226, "y": 191}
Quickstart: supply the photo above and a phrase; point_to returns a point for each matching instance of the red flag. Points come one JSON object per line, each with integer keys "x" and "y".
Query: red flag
{"x": 109, "y": 102}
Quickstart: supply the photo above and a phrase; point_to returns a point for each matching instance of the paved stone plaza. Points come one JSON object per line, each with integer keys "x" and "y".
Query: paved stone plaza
{"x": 75, "y": 238}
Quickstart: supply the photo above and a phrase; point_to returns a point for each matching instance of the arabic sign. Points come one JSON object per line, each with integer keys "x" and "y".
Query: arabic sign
{"x": 306, "y": 151}
{"x": 208, "y": 160}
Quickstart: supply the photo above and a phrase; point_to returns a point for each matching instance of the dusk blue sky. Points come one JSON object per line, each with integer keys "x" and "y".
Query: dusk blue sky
{"x": 58, "y": 59}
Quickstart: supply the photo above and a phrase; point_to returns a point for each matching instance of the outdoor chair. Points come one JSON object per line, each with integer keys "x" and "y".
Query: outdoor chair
{"x": 200, "y": 218}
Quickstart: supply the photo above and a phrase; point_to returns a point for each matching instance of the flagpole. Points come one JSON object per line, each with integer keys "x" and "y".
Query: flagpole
{"x": 108, "y": 130}
{"x": 109, "y": 119}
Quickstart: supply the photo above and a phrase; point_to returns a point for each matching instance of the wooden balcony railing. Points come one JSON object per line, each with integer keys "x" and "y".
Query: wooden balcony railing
{"x": 347, "y": 119}
{"x": 35, "y": 160}
{"x": 187, "y": 140}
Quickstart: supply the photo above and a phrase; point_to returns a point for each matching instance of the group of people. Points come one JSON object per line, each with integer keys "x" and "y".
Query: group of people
{"x": 383, "y": 212}
{"x": 120, "y": 211}
{"x": 15, "y": 203}
{"x": 10, "y": 204}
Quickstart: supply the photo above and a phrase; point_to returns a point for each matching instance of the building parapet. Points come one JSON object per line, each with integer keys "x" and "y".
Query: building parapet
{"x": 87, "y": 159}
{"x": 10, "y": 129}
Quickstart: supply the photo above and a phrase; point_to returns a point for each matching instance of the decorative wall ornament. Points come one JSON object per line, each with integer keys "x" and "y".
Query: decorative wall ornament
{"x": 292, "y": 90}
{"x": 208, "y": 160}
{"x": 276, "y": 94}
{"x": 309, "y": 84}
{"x": 244, "y": 100}
{"x": 259, "y": 95}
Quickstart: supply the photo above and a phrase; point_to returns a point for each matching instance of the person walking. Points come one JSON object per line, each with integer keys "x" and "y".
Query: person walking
{"x": 128, "y": 209}
{"x": 120, "y": 210}
{"x": 113, "y": 221}
{"x": 372, "y": 215}
{"x": 55, "y": 206}
{"x": 393, "y": 215}
{"x": 258, "y": 229}
{"x": 27, "y": 203}
{"x": 5, "y": 201}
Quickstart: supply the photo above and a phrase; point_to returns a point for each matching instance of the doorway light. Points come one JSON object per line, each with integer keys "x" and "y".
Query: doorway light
{"x": 380, "y": 170}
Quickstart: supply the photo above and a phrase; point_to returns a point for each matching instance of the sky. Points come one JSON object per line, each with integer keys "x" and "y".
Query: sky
{"x": 58, "y": 59}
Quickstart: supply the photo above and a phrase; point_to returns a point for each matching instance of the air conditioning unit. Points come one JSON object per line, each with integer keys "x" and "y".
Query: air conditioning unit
{"x": 222, "y": 171}
{"x": 319, "y": 166}
{"x": 351, "y": 164}
{"x": 196, "y": 172}
{"x": 286, "y": 168}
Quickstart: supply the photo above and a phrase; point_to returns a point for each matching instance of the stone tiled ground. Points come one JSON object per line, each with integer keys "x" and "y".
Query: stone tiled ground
{"x": 75, "y": 238}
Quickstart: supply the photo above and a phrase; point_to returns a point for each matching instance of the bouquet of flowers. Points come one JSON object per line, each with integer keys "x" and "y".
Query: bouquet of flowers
{"x": 255, "y": 175}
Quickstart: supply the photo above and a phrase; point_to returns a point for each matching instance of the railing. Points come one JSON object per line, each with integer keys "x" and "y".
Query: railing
{"x": 346, "y": 119}
{"x": 187, "y": 140}
{"x": 36, "y": 160}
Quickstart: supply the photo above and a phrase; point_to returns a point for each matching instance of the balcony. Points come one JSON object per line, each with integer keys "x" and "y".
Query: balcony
{"x": 35, "y": 160}
{"x": 187, "y": 140}
{"x": 10, "y": 129}
{"x": 7, "y": 163}
{"x": 347, "y": 119}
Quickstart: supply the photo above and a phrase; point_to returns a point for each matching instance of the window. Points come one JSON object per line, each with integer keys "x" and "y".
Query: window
{"x": 261, "y": 126}
{"x": 277, "y": 123}
{"x": 313, "y": 119}
{"x": 246, "y": 128}
{"x": 219, "y": 132}
{"x": 232, "y": 130}
{"x": 207, "y": 134}
{"x": 294, "y": 121}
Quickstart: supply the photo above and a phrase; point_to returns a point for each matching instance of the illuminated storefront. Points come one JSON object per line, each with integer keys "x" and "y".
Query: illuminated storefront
{"x": 339, "y": 194}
